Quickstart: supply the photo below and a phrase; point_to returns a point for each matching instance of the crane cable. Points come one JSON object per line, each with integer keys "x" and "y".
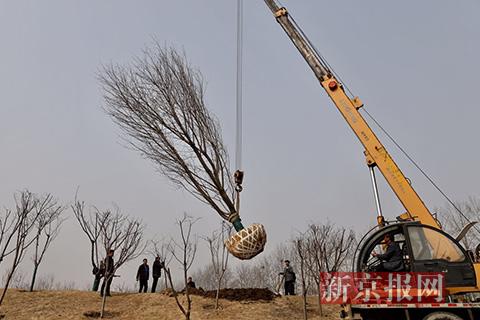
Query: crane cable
{"x": 239, "y": 92}
{"x": 238, "y": 175}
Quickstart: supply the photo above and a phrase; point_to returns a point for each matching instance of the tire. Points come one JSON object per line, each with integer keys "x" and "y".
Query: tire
{"x": 442, "y": 316}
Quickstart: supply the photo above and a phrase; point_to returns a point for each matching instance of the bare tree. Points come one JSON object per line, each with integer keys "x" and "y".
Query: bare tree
{"x": 122, "y": 234}
{"x": 47, "y": 226}
{"x": 327, "y": 249}
{"x": 337, "y": 247}
{"x": 158, "y": 101}
{"x": 110, "y": 230}
{"x": 15, "y": 231}
{"x": 125, "y": 236}
{"x": 184, "y": 252}
{"x": 219, "y": 255}
{"x": 92, "y": 224}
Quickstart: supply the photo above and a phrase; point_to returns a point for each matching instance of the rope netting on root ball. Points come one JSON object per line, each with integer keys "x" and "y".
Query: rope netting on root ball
{"x": 158, "y": 101}
{"x": 248, "y": 242}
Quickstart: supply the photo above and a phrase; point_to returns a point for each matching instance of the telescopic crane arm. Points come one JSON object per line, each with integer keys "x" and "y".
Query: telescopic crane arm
{"x": 375, "y": 152}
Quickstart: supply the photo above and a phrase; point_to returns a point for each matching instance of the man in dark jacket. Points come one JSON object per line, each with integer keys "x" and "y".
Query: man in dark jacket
{"x": 142, "y": 276}
{"x": 156, "y": 272}
{"x": 191, "y": 283}
{"x": 392, "y": 259}
{"x": 109, "y": 273}
{"x": 289, "y": 278}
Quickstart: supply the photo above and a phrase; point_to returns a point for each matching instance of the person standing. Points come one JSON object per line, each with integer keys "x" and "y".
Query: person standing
{"x": 109, "y": 273}
{"x": 289, "y": 277}
{"x": 191, "y": 283}
{"x": 142, "y": 276}
{"x": 156, "y": 272}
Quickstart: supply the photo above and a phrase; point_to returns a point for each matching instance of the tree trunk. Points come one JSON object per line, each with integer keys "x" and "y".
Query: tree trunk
{"x": 217, "y": 295}
{"x": 304, "y": 290}
{"x": 4, "y": 292}
{"x": 104, "y": 301}
{"x": 175, "y": 295}
{"x": 104, "y": 298}
{"x": 10, "y": 274}
{"x": 92, "y": 243}
{"x": 305, "y": 314}
{"x": 189, "y": 302}
{"x": 320, "y": 309}
{"x": 32, "y": 284}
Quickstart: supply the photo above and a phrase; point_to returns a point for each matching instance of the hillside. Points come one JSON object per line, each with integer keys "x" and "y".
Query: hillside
{"x": 74, "y": 304}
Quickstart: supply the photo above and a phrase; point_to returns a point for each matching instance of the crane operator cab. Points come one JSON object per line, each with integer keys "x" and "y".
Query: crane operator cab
{"x": 414, "y": 247}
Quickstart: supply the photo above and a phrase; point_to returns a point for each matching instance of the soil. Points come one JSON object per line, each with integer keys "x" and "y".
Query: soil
{"x": 97, "y": 314}
{"x": 249, "y": 294}
{"x": 244, "y": 294}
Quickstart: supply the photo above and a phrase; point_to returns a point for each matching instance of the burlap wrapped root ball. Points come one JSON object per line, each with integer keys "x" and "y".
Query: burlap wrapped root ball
{"x": 248, "y": 242}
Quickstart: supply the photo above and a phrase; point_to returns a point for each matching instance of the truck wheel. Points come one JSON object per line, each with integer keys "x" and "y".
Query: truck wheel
{"x": 442, "y": 316}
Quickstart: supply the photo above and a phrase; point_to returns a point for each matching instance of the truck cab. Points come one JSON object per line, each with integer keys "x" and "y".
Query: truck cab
{"x": 424, "y": 249}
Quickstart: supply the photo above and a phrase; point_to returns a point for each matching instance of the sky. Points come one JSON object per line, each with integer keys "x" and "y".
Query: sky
{"x": 413, "y": 63}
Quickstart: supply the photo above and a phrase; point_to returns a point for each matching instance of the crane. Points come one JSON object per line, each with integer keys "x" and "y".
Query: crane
{"x": 425, "y": 246}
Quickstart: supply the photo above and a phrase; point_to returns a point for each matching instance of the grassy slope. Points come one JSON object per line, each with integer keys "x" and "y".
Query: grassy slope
{"x": 72, "y": 304}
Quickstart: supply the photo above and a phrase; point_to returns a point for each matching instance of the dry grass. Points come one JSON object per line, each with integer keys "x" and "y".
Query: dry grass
{"x": 51, "y": 305}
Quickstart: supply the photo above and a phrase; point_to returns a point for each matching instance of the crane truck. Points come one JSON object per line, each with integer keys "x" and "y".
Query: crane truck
{"x": 425, "y": 246}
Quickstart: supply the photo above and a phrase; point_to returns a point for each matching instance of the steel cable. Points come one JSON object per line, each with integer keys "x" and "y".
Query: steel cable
{"x": 239, "y": 91}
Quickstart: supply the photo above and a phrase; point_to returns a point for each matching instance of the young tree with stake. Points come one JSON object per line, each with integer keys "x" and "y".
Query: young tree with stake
{"x": 109, "y": 230}
{"x": 219, "y": 255}
{"x": 184, "y": 252}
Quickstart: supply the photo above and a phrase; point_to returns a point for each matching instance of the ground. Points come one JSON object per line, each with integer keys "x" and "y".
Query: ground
{"x": 51, "y": 305}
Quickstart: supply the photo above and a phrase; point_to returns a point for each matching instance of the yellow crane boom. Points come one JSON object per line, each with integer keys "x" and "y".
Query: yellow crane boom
{"x": 375, "y": 152}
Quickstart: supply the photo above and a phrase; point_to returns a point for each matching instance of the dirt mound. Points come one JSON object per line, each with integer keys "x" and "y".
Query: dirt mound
{"x": 96, "y": 314}
{"x": 246, "y": 294}
{"x": 195, "y": 291}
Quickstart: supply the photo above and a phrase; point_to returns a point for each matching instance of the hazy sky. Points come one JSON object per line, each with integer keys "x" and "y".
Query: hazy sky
{"x": 413, "y": 63}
